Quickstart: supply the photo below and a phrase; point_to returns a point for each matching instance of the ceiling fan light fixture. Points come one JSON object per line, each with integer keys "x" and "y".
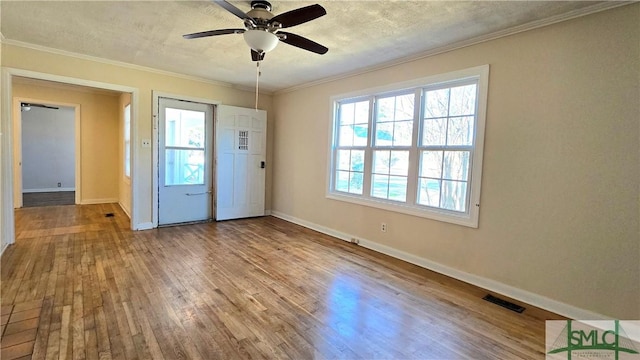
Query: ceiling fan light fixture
{"x": 260, "y": 40}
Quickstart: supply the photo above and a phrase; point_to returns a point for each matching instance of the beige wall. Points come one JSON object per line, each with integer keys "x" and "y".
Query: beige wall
{"x": 124, "y": 183}
{"x": 99, "y": 161}
{"x": 144, "y": 81}
{"x": 559, "y": 205}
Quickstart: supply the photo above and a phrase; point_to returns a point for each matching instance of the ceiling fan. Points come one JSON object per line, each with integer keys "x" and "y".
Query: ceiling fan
{"x": 28, "y": 106}
{"x": 262, "y": 30}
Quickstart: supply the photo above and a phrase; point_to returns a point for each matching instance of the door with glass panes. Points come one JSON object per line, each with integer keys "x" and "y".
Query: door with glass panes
{"x": 184, "y": 169}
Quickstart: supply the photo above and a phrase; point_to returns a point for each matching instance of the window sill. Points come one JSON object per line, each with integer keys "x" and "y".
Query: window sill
{"x": 468, "y": 220}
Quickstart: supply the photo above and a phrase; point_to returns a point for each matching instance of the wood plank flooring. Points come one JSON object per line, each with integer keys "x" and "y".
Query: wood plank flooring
{"x": 85, "y": 287}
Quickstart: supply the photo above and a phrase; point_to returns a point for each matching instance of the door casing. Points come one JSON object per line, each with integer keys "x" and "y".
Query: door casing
{"x": 155, "y": 149}
{"x": 17, "y": 147}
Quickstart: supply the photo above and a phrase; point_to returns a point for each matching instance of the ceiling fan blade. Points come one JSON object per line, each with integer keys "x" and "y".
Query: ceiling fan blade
{"x": 213, "y": 33}
{"x": 234, "y": 10}
{"x": 256, "y": 56}
{"x": 299, "y": 16}
{"x": 303, "y": 43}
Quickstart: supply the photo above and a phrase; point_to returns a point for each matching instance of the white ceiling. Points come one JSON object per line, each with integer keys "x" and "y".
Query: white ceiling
{"x": 359, "y": 34}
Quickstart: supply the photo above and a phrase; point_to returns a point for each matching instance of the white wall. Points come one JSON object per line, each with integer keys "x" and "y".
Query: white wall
{"x": 48, "y": 149}
{"x": 559, "y": 215}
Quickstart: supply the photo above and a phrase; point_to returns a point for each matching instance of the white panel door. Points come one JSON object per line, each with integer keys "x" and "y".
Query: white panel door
{"x": 241, "y": 135}
{"x": 184, "y": 169}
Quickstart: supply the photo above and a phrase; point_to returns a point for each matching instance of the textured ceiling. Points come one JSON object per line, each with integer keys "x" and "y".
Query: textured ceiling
{"x": 359, "y": 34}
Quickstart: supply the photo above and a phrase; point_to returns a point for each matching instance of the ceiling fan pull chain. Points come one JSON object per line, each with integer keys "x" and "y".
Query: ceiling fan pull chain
{"x": 257, "y": 81}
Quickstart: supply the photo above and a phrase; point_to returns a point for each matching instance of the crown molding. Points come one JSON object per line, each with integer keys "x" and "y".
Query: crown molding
{"x": 596, "y": 8}
{"x": 128, "y": 65}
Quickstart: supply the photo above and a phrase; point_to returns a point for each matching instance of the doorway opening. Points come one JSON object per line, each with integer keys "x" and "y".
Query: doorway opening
{"x": 13, "y": 82}
{"x": 47, "y": 154}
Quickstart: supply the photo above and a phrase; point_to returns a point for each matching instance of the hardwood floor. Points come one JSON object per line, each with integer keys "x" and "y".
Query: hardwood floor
{"x": 82, "y": 286}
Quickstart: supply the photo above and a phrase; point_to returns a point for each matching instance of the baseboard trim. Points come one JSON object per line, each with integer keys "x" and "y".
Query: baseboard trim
{"x": 56, "y": 189}
{"x": 143, "y": 226}
{"x": 527, "y": 297}
{"x": 124, "y": 209}
{"x": 4, "y": 247}
{"x": 98, "y": 201}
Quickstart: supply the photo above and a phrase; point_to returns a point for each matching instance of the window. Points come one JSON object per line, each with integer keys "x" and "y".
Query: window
{"x": 127, "y": 141}
{"x": 353, "y": 128}
{"x": 184, "y": 147}
{"x": 414, "y": 147}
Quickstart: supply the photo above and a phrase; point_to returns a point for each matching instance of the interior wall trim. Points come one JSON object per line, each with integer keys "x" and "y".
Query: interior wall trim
{"x": 31, "y": 46}
{"x": 56, "y": 189}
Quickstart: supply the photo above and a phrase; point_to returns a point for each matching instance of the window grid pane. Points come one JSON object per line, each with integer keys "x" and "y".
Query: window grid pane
{"x": 184, "y": 167}
{"x": 380, "y": 186}
{"x": 184, "y": 128}
{"x": 354, "y": 124}
{"x": 394, "y": 120}
{"x": 390, "y": 174}
{"x": 429, "y": 192}
{"x": 449, "y": 116}
{"x": 453, "y": 195}
{"x": 350, "y": 175}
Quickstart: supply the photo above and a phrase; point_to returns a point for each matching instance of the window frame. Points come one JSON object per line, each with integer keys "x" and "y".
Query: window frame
{"x": 335, "y": 149}
{"x": 470, "y": 218}
{"x": 126, "y": 140}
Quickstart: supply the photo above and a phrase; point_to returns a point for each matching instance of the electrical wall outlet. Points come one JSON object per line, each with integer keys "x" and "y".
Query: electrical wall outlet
{"x": 146, "y": 143}
{"x": 59, "y": 184}
{"x": 383, "y": 227}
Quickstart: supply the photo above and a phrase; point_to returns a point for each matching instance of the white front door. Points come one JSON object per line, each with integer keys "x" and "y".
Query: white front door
{"x": 241, "y": 154}
{"x": 184, "y": 169}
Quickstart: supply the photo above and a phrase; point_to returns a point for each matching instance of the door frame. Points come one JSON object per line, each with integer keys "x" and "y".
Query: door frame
{"x": 7, "y": 218}
{"x": 17, "y": 147}
{"x": 155, "y": 143}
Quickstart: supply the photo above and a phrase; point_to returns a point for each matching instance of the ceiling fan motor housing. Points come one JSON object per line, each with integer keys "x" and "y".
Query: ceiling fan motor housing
{"x": 261, "y": 4}
{"x": 260, "y": 12}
